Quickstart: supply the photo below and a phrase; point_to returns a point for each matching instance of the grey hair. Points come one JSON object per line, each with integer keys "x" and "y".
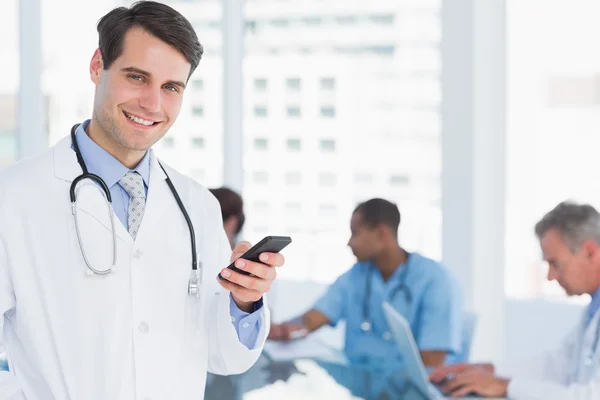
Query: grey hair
{"x": 576, "y": 223}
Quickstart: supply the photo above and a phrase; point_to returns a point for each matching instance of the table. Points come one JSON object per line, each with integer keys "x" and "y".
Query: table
{"x": 314, "y": 380}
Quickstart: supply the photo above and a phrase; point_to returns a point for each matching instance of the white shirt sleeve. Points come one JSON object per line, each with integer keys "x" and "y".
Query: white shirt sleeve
{"x": 547, "y": 377}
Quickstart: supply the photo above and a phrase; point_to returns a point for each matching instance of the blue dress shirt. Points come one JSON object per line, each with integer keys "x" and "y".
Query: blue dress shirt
{"x": 593, "y": 307}
{"x": 103, "y": 164}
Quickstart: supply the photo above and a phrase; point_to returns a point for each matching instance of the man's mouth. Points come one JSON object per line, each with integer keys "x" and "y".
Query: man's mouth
{"x": 139, "y": 120}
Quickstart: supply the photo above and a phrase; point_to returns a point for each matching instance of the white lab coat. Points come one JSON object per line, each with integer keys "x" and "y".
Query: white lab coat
{"x": 563, "y": 373}
{"x": 133, "y": 334}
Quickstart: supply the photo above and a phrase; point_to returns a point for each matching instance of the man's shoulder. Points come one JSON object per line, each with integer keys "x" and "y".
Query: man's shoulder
{"x": 432, "y": 268}
{"x": 359, "y": 268}
{"x": 198, "y": 191}
{"x": 24, "y": 171}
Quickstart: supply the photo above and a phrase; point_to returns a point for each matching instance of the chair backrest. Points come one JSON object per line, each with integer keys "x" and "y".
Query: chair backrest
{"x": 468, "y": 332}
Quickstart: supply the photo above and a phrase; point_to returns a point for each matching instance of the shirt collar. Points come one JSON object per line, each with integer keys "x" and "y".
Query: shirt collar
{"x": 103, "y": 164}
{"x": 595, "y": 303}
{"x": 399, "y": 274}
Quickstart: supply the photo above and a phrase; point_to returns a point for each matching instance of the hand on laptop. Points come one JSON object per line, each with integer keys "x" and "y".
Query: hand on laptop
{"x": 445, "y": 372}
{"x": 462, "y": 379}
{"x": 287, "y": 331}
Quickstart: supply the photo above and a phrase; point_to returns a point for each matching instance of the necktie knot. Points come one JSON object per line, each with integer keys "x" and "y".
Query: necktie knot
{"x": 133, "y": 183}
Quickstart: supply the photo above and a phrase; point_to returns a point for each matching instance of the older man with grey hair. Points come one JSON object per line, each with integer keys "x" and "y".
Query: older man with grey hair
{"x": 569, "y": 237}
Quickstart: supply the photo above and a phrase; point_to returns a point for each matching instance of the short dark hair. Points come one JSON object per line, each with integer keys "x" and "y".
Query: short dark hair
{"x": 575, "y": 223}
{"x": 159, "y": 20}
{"x": 232, "y": 205}
{"x": 379, "y": 211}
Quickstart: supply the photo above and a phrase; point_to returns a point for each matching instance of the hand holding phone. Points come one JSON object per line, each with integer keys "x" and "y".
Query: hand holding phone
{"x": 250, "y": 277}
{"x": 270, "y": 244}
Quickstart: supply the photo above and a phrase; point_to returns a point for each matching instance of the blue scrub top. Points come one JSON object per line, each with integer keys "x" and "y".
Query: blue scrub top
{"x": 435, "y": 311}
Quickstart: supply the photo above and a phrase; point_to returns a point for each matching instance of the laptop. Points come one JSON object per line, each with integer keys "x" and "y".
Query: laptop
{"x": 415, "y": 369}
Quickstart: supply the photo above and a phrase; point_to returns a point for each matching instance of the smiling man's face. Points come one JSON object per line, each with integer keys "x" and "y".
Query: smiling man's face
{"x": 139, "y": 97}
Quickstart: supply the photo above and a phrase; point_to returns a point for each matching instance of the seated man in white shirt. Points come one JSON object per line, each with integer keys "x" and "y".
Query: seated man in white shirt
{"x": 570, "y": 240}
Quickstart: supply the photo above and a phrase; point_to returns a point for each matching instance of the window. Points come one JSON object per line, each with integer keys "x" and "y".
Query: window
{"x": 305, "y": 112}
{"x": 260, "y": 229}
{"x": 260, "y": 177}
{"x": 363, "y": 178}
{"x": 312, "y": 21}
{"x": 280, "y": 23}
{"x": 577, "y": 91}
{"x": 384, "y": 19}
{"x": 328, "y": 112}
{"x": 327, "y": 179}
{"x": 327, "y": 145}
{"x": 260, "y": 111}
{"x": 197, "y": 174}
{"x": 293, "y": 84}
{"x": 198, "y": 84}
{"x": 293, "y": 145}
{"x": 260, "y": 84}
{"x": 347, "y": 20}
{"x": 399, "y": 180}
{"x": 198, "y": 111}
{"x": 260, "y": 144}
{"x": 293, "y": 178}
{"x": 168, "y": 142}
{"x": 251, "y": 26}
{"x": 327, "y": 84}
{"x": 293, "y": 209}
{"x": 261, "y": 206}
{"x": 327, "y": 210}
{"x": 293, "y": 112}
{"x": 198, "y": 142}
{"x": 551, "y": 130}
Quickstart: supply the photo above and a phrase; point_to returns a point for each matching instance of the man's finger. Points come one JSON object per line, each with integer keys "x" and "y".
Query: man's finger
{"x": 441, "y": 373}
{"x": 457, "y": 382}
{"x": 465, "y": 390}
{"x": 257, "y": 269}
{"x": 240, "y": 249}
{"x": 239, "y": 291}
{"x": 249, "y": 282}
{"x": 272, "y": 259}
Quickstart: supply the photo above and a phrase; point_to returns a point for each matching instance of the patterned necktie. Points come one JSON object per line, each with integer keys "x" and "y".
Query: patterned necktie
{"x": 133, "y": 184}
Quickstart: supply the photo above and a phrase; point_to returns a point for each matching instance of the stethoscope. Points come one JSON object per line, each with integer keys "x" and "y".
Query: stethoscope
{"x": 196, "y": 275}
{"x": 366, "y": 325}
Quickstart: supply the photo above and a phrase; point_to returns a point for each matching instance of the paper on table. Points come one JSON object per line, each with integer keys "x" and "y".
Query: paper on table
{"x": 307, "y": 347}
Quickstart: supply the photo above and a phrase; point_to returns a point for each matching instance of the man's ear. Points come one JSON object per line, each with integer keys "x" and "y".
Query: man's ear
{"x": 382, "y": 231}
{"x": 591, "y": 250}
{"x": 231, "y": 225}
{"x": 96, "y": 66}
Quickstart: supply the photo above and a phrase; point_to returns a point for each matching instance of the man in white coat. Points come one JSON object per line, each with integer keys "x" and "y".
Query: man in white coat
{"x": 133, "y": 330}
{"x": 570, "y": 241}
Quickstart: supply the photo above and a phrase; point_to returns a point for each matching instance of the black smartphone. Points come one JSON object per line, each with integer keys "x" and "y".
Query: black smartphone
{"x": 270, "y": 244}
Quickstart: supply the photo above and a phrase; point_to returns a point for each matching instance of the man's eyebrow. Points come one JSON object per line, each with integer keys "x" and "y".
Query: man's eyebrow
{"x": 148, "y": 74}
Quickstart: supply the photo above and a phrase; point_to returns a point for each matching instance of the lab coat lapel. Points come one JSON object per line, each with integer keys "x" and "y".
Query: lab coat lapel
{"x": 90, "y": 199}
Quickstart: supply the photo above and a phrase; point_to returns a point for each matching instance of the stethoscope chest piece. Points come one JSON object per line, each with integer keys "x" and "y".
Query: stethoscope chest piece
{"x": 365, "y": 326}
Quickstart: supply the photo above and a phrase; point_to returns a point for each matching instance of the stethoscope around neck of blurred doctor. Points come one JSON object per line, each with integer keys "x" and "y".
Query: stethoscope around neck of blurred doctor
{"x": 366, "y": 325}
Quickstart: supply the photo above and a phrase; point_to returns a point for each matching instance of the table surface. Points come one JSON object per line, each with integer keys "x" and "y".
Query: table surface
{"x": 315, "y": 380}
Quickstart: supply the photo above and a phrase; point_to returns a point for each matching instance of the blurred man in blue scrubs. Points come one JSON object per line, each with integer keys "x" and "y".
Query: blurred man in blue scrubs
{"x": 421, "y": 289}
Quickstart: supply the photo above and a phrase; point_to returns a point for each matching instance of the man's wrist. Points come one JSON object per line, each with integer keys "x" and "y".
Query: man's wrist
{"x": 245, "y": 306}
